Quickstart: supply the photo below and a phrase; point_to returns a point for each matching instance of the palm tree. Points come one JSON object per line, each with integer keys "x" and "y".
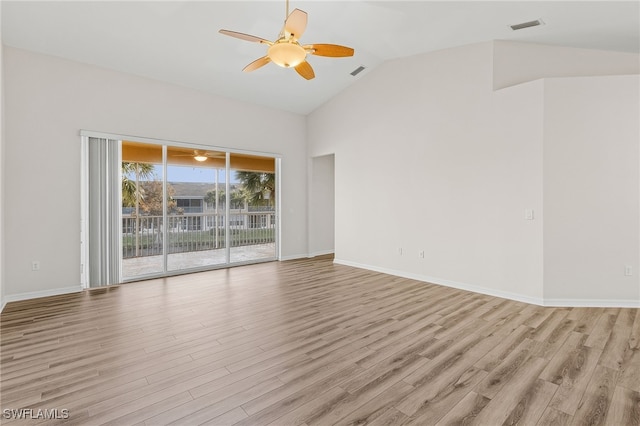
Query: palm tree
{"x": 132, "y": 193}
{"x": 131, "y": 190}
{"x": 260, "y": 186}
{"x": 210, "y": 197}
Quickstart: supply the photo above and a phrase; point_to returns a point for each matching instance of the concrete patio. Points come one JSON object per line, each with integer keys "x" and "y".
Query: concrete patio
{"x": 147, "y": 265}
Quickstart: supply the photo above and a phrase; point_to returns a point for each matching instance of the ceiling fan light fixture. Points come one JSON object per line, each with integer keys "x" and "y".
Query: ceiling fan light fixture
{"x": 287, "y": 54}
{"x": 200, "y": 158}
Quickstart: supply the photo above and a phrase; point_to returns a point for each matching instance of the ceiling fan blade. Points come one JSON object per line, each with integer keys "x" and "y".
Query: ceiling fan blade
{"x": 296, "y": 23}
{"x": 257, "y": 64}
{"x": 243, "y": 36}
{"x": 331, "y": 50}
{"x": 305, "y": 70}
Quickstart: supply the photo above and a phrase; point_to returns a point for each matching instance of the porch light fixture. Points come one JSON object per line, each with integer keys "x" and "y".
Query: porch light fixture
{"x": 200, "y": 158}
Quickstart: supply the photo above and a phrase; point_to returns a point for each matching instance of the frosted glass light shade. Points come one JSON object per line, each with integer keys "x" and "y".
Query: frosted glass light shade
{"x": 287, "y": 54}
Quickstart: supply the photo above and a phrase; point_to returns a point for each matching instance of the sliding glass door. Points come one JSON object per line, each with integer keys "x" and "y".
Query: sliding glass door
{"x": 196, "y": 188}
{"x": 188, "y": 209}
{"x": 252, "y": 210}
{"x": 142, "y": 204}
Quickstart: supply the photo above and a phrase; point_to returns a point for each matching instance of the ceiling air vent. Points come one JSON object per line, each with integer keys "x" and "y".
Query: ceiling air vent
{"x": 524, "y": 25}
{"x": 357, "y": 71}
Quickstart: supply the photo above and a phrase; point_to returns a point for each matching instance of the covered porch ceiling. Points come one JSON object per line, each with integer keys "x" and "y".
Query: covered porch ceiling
{"x": 139, "y": 152}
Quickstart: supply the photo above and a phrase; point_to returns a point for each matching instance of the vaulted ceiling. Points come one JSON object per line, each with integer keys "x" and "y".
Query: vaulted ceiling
{"x": 178, "y": 41}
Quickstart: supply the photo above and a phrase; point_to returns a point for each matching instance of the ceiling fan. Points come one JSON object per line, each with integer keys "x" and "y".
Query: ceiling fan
{"x": 286, "y": 51}
{"x": 202, "y": 155}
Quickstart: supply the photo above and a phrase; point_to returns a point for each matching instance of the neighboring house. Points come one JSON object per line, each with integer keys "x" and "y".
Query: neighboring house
{"x": 196, "y": 214}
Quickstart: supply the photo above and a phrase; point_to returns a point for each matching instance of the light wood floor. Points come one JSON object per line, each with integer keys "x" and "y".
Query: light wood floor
{"x": 312, "y": 343}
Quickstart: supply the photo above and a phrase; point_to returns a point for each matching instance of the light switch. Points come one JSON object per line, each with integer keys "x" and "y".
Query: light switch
{"x": 528, "y": 214}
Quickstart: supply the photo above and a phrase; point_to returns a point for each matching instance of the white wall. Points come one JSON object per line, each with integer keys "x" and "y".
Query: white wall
{"x": 2, "y": 143}
{"x": 322, "y": 205}
{"x": 591, "y": 186}
{"x": 48, "y": 100}
{"x": 429, "y": 157}
{"x": 515, "y": 62}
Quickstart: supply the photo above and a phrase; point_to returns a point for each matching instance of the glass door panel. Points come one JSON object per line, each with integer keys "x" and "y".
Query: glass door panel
{"x": 195, "y": 208}
{"x": 188, "y": 209}
{"x": 142, "y": 201}
{"x": 252, "y": 212}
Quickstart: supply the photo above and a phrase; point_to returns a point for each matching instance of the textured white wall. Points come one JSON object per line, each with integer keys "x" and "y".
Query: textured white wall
{"x": 591, "y": 186}
{"x": 48, "y": 100}
{"x": 515, "y": 63}
{"x": 428, "y": 158}
{"x": 322, "y": 205}
{"x": 2, "y": 143}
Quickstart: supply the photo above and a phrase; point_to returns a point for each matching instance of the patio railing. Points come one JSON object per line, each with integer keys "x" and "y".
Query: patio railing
{"x": 195, "y": 232}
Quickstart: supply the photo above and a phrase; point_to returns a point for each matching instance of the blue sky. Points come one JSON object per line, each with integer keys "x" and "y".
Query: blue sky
{"x": 193, "y": 174}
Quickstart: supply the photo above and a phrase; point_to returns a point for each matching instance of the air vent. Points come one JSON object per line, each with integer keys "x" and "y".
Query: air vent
{"x": 529, "y": 24}
{"x": 357, "y": 71}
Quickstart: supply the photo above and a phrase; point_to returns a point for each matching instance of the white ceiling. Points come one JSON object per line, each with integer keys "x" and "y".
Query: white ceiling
{"x": 178, "y": 41}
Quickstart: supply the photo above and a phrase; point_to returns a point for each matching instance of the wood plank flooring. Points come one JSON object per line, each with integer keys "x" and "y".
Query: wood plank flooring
{"x": 307, "y": 342}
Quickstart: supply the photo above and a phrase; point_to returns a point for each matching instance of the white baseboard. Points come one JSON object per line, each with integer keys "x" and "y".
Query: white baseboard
{"x": 306, "y": 255}
{"x": 36, "y": 294}
{"x": 320, "y": 253}
{"x": 577, "y": 303}
{"x": 581, "y": 303}
{"x": 446, "y": 283}
{"x": 592, "y": 303}
{"x": 294, "y": 257}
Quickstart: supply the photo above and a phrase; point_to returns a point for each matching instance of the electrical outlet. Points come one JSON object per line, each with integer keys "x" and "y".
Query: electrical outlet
{"x": 35, "y": 265}
{"x": 628, "y": 271}
{"x": 421, "y": 254}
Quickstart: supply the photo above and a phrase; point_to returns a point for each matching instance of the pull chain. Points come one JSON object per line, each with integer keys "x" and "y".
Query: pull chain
{"x": 287, "y": 15}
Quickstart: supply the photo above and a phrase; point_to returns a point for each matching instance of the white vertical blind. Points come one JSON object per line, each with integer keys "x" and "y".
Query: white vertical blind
{"x": 104, "y": 216}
